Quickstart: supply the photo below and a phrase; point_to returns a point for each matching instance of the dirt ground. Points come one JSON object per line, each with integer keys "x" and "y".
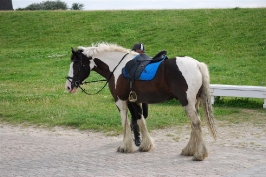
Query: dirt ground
{"x": 240, "y": 150}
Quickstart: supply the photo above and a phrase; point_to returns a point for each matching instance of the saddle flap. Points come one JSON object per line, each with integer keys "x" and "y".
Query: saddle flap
{"x": 134, "y": 68}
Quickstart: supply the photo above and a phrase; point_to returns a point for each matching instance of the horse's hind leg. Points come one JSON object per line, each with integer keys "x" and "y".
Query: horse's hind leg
{"x": 196, "y": 146}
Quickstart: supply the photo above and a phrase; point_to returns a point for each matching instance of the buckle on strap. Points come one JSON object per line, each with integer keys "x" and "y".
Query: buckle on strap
{"x": 132, "y": 96}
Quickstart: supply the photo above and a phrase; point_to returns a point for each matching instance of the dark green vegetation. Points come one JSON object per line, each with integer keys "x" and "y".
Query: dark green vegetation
{"x": 52, "y": 5}
{"x": 35, "y": 57}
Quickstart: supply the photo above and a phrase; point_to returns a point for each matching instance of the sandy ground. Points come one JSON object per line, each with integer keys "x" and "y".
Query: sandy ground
{"x": 27, "y": 151}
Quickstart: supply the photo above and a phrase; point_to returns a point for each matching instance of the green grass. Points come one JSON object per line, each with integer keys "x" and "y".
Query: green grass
{"x": 35, "y": 57}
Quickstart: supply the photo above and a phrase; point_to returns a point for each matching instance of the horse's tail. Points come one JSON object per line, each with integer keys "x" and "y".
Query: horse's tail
{"x": 206, "y": 99}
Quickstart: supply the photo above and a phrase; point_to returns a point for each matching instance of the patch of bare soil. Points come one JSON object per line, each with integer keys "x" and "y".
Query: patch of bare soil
{"x": 26, "y": 151}
{"x": 243, "y": 135}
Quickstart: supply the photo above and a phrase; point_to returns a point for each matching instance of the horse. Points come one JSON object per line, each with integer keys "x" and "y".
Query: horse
{"x": 182, "y": 78}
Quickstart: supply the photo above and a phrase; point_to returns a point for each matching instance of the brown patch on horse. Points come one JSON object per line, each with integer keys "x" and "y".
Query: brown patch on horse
{"x": 101, "y": 66}
{"x": 165, "y": 86}
{"x": 182, "y": 86}
{"x": 122, "y": 89}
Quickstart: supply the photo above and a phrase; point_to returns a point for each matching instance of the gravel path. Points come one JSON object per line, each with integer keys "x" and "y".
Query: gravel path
{"x": 27, "y": 151}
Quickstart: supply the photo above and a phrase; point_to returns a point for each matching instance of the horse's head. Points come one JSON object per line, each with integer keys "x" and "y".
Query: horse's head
{"x": 79, "y": 70}
{"x": 103, "y": 58}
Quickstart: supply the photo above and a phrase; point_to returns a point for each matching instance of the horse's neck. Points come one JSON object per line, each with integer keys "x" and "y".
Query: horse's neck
{"x": 101, "y": 68}
{"x": 109, "y": 62}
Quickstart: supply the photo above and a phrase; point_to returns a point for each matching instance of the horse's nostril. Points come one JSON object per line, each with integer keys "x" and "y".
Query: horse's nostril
{"x": 68, "y": 88}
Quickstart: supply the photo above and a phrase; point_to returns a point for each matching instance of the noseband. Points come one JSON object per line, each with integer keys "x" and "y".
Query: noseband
{"x": 77, "y": 83}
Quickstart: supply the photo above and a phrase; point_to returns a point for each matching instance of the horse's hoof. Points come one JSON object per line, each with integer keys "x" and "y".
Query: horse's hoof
{"x": 119, "y": 149}
{"x": 186, "y": 152}
{"x": 123, "y": 150}
{"x": 146, "y": 148}
{"x": 198, "y": 157}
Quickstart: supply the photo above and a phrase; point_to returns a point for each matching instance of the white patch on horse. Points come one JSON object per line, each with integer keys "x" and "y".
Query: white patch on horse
{"x": 70, "y": 74}
{"x": 127, "y": 143}
{"x": 122, "y": 106}
{"x": 92, "y": 64}
{"x": 193, "y": 79}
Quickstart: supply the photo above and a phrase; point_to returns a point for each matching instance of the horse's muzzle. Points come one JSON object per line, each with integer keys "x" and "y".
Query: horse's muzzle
{"x": 70, "y": 85}
{"x": 73, "y": 90}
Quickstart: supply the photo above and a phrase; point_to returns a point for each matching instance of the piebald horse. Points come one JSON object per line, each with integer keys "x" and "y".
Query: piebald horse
{"x": 182, "y": 78}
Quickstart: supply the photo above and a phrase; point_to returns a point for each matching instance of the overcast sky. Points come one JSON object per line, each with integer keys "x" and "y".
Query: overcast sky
{"x": 151, "y": 4}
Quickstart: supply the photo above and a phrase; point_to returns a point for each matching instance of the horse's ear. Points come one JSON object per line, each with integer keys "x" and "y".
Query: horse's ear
{"x": 80, "y": 50}
{"x": 73, "y": 51}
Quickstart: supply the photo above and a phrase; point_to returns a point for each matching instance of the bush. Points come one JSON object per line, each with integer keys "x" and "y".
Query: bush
{"x": 77, "y": 6}
{"x": 47, "y": 5}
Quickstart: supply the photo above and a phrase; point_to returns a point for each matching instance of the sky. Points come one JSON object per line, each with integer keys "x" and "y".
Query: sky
{"x": 151, "y": 4}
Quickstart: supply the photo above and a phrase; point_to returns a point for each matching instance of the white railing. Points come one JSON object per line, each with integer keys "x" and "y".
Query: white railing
{"x": 238, "y": 91}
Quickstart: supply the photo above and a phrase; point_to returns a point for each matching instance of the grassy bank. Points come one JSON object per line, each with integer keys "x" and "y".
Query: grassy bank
{"x": 35, "y": 52}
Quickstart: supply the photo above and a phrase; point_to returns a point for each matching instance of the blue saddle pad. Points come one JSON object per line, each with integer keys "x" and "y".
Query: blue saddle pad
{"x": 148, "y": 73}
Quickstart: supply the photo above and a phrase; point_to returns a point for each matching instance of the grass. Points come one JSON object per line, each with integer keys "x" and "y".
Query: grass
{"x": 35, "y": 51}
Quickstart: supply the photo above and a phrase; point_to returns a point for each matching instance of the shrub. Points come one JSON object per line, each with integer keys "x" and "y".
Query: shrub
{"x": 47, "y": 5}
{"x": 77, "y": 6}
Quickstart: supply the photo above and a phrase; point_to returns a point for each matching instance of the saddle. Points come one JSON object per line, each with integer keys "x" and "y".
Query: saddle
{"x": 136, "y": 66}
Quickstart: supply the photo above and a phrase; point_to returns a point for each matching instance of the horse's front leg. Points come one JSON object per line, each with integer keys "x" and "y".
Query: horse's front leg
{"x": 147, "y": 142}
{"x": 127, "y": 144}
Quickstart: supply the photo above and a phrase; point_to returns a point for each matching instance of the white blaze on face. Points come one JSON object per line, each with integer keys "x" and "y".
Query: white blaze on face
{"x": 70, "y": 74}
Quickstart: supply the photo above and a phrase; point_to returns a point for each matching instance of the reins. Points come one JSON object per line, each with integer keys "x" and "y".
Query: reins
{"x": 84, "y": 91}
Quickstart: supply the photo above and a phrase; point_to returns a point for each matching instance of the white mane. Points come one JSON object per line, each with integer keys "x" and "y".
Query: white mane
{"x": 103, "y": 47}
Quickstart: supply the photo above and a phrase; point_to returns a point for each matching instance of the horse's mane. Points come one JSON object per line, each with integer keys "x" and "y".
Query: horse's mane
{"x": 103, "y": 47}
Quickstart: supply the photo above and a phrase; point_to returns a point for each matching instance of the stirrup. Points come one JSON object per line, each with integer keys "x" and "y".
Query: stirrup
{"x": 132, "y": 96}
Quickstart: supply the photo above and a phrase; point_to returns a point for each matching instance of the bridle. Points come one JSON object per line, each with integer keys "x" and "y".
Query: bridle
{"x": 77, "y": 82}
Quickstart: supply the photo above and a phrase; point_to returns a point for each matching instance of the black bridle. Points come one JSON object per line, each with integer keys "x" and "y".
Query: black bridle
{"x": 77, "y": 82}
